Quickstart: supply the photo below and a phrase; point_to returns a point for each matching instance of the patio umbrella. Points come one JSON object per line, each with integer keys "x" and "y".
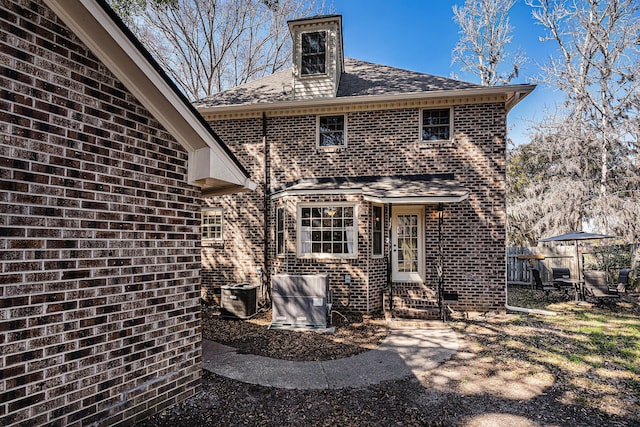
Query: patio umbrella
{"x": 574, "y": 236}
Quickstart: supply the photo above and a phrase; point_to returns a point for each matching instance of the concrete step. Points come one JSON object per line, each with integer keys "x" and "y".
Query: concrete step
{"x": 412, "y": 303}
{"x": 405, "y": 314}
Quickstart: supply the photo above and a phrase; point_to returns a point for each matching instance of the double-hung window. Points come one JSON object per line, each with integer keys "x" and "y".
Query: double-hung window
{"x": 436, "y": 125}
{"x": 280, "y": 243}
{"x": 377, "y": 224}
{"x": 327, "y": 231}
{"x": 212, "y": 224}
{"x": 314, "y": 52}
{"x": 331, "y": 131}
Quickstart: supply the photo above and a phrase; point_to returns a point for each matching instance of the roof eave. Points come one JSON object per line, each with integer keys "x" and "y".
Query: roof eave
{"x": 513, "y": 94}
{"x": 98, "y": 29}
{"x": 418, "y": 200}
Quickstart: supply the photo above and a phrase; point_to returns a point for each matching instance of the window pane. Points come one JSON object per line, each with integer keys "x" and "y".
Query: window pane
{"x": 212, "y": 224}
{"x": 313, "y": 53}
{"x": 408, "y": 243}
{"x": 331, "y": 131}
{"x": 377, "y": 221}
{"x": 328, "y": 233}
{"x": 436, "y": 125}
{"x": 280, "y": 230}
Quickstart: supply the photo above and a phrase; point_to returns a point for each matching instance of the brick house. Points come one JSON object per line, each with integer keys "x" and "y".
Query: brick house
{"x": 390, "y": 181}
{"x": 103, "y": 167}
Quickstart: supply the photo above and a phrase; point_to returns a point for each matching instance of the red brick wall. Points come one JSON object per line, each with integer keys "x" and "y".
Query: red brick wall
{"x": 99, "y": 248}
{"x": 383, "y": 142}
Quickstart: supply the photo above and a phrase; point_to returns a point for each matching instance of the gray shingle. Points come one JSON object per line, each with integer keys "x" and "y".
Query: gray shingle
{"x": 418, "y": 188}
{"x": 359, "y": 79}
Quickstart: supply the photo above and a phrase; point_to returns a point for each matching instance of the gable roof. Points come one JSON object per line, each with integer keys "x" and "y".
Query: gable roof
{"x": 212, "y": 166}
{"x": 361, "y": 82}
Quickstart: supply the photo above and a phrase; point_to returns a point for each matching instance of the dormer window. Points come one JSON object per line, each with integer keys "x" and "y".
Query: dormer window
{"x": 314, "y": 52}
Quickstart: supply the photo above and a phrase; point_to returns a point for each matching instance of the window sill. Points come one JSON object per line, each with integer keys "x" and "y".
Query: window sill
{"x": 313, "y": 76}
{"x": 212, "y": 243}
{"x": 326, "y": 257}
{"x": 331, "y": 148}
{"x": 440, "y": 143}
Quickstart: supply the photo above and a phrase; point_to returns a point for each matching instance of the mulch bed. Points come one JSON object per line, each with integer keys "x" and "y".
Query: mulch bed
{"x": 354, "y": 334}
{"x": 514, "y": 370}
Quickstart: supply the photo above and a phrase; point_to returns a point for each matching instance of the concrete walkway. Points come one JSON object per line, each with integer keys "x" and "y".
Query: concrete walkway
{"x": 406, "y": 351}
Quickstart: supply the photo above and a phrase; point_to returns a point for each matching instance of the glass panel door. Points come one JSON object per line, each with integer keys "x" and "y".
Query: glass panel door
{"x": 408, "y": 247}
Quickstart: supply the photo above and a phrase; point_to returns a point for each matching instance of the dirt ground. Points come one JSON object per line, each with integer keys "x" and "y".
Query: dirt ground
{"x": 510, "y": 370}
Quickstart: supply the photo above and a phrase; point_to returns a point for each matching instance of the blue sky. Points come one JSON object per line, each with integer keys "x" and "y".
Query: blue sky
{"x": 420, "y": 35}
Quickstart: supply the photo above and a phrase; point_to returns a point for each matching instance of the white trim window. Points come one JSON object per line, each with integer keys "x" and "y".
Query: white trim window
{"x": 332, "y": 131}
{"x": 313, "y": 57}
{"x": 280, "y": 230}
{"x": 212, "y": 224}
{"x": 436, "y": 124}
{"x": 327, "y": 231}
{"x": 377, "y": 230}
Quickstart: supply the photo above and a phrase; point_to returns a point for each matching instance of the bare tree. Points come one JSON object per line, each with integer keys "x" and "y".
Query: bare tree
{"x": 207, "y": 46}
{"x": 593, "y": 140}
{"x": 545, "y": 187}
{"x": 485, "y": 32}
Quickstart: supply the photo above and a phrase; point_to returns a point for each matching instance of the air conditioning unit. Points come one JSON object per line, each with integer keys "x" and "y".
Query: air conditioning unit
{"x": 300, "y": 301}
{"x": 239, "y": 301}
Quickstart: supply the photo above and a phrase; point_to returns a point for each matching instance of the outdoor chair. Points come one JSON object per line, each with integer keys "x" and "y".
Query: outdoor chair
{"x": 560, "y": 277}
{"x": 595, "y": 284}
{"x": 560, "y": 273}
{"x": 623, "y": 280}
{"x": 538, "y": 284}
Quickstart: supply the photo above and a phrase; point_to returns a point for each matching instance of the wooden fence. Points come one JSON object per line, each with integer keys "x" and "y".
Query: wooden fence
{"x": 520, "y": 262}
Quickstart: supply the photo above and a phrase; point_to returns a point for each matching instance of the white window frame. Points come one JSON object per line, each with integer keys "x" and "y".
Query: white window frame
{"x": 373, "y": 231}
{"x": 300, "y": 230}
{"x": 209, "y": 211}
{"x": 428, "y": 141}
{"x": 326, "y": 54}
{"x": 281, "y": 214}
{"x": 319, "y": 133}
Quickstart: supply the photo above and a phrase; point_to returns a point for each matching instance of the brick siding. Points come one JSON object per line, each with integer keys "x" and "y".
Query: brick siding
{"x": 99, "y": 248}
{"x": 379, "y": 142}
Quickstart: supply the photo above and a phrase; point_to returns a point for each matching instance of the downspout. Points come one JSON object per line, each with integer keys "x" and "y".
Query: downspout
{"x": 530, "y": 310}
{"x": 389, "y": 255}
{"x": 440, "y": 264}
{"x": 369, "y": 253}
{"x": 267, "y": 183}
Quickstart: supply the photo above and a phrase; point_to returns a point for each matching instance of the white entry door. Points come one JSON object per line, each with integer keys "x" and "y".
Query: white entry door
{"x": 407, "y": 234}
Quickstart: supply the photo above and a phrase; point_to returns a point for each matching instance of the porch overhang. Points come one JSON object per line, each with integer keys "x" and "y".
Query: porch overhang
{"x": 399, "y": 189}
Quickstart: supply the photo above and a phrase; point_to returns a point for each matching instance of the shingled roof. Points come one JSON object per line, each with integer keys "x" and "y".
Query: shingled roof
{"x": 359, "y": 79}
